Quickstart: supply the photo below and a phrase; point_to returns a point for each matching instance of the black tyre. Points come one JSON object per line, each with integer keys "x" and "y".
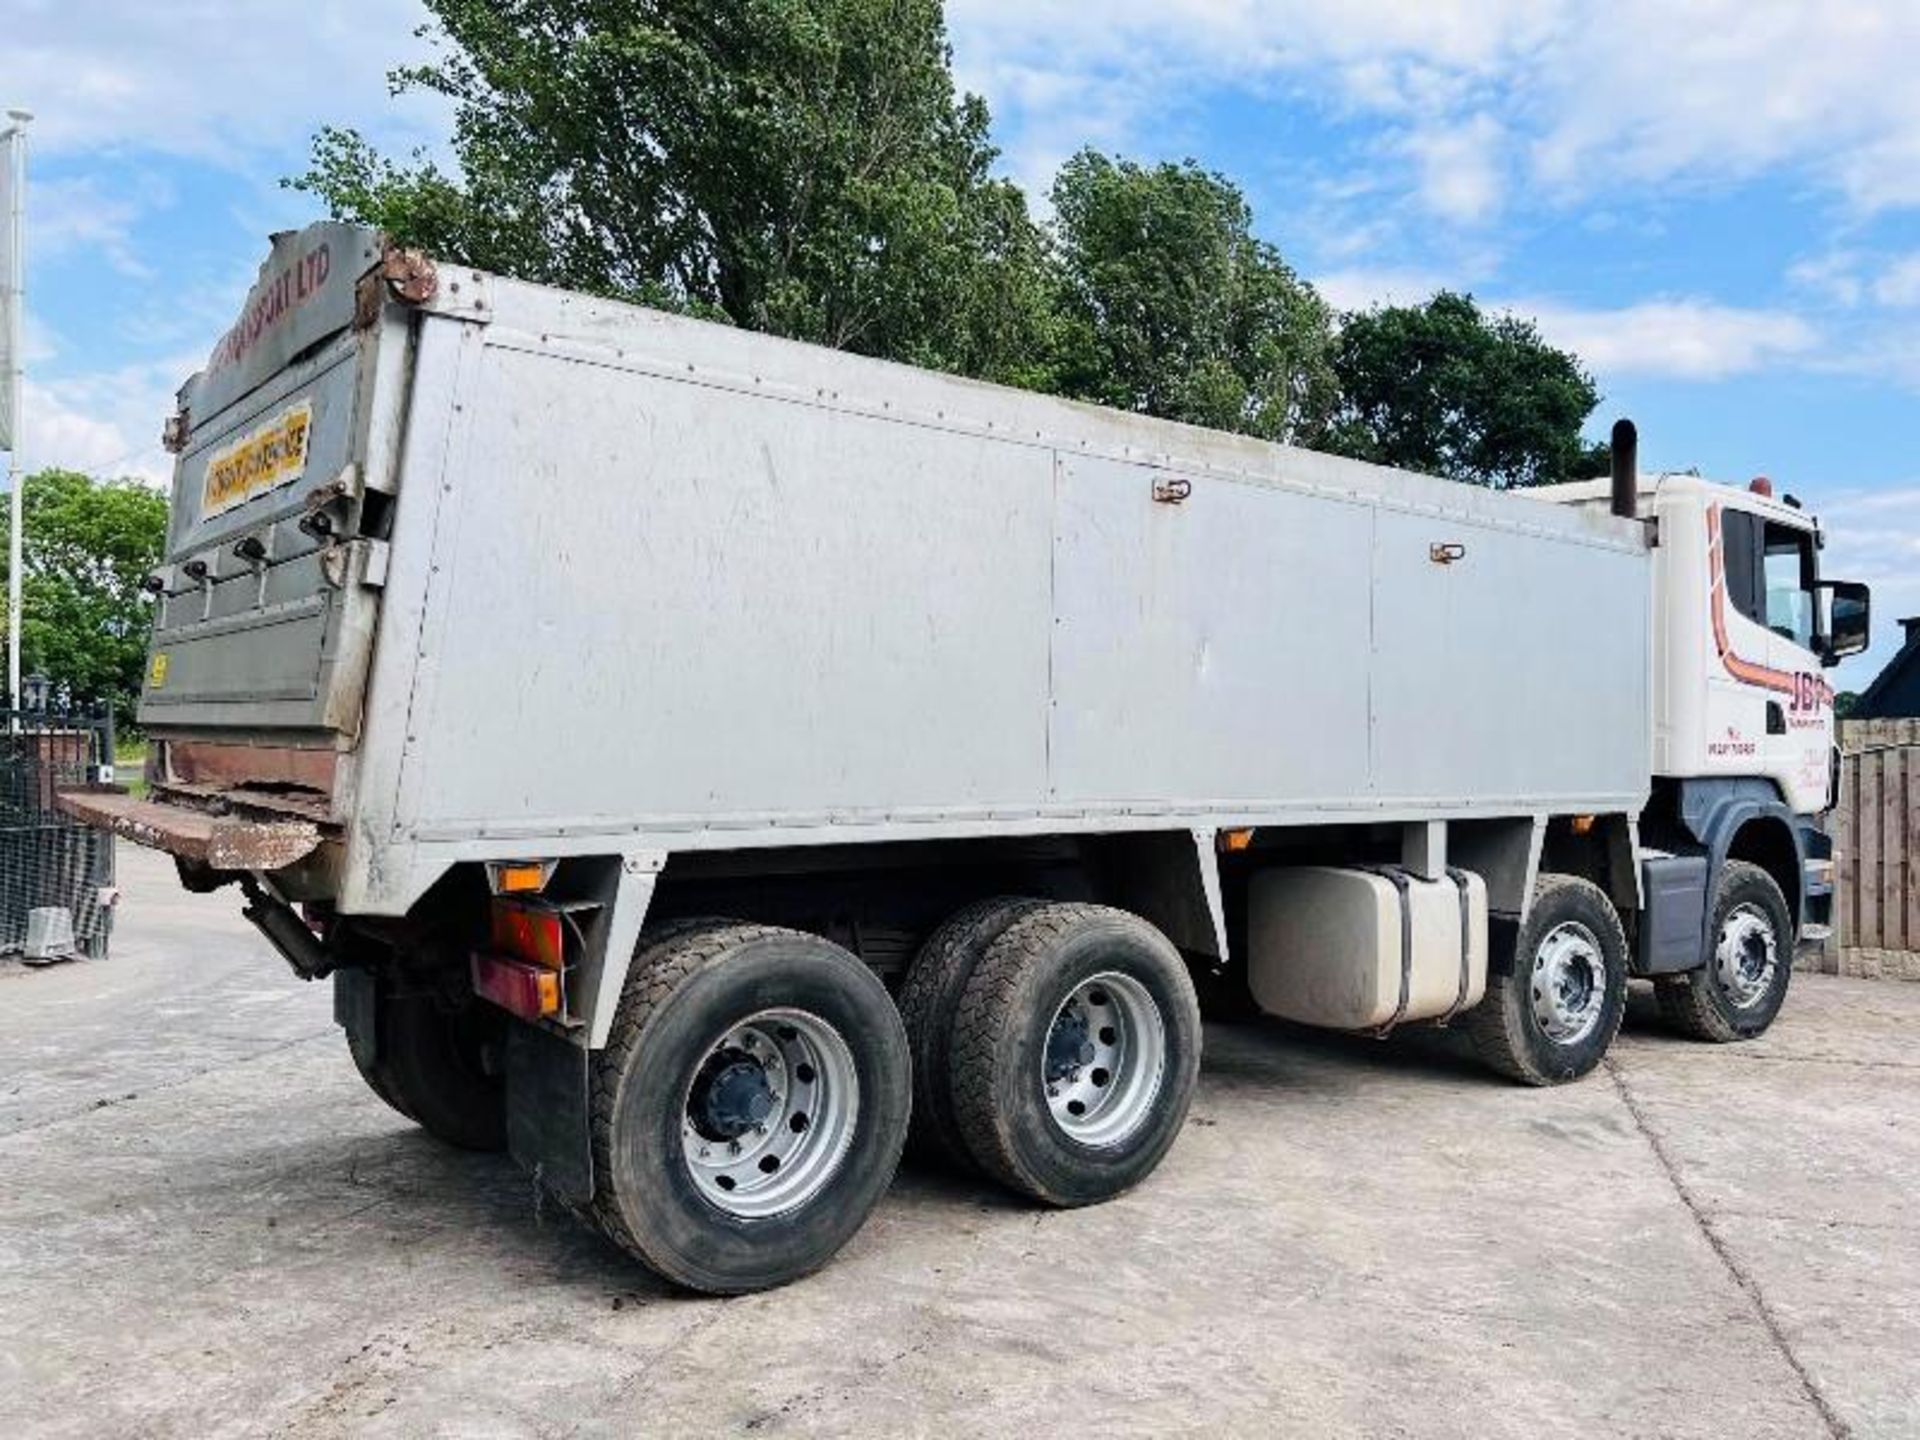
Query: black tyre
{"x": 929, "y": 1006}
{"x": 1075, "y": 1052}
{"x": 1739, "y": 991}
{"x": 378, "y": 1081}
{"x": 750, "y": 1107}
{"x": 441, "y": 1065}
{"x": 1552, "y": 1018}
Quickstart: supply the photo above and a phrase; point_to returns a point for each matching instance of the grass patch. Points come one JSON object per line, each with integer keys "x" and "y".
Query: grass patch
{"x": 130, "y": 764}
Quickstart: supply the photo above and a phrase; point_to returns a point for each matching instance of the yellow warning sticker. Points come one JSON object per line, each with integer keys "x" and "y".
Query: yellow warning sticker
{"x": 157, "y": 671}
{"x": 266, "y": 458}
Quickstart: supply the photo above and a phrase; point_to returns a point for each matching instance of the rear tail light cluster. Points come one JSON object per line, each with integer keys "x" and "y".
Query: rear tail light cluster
{"x": 525, "y": 990}
{"x": 522, "y": 969}
{"x": 536, "y": 935}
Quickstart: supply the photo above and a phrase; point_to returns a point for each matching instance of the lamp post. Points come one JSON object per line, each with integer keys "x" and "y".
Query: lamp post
{"x": 15, "y": 282}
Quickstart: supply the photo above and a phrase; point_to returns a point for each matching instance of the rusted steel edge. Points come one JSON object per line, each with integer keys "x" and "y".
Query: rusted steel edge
{"x": 409, "y": 274}
{"x": 221, "y": 842}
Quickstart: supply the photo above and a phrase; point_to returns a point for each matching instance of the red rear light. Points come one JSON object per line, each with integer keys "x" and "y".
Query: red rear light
{"x": 531, "y": 933}
{"x": 526, "y": 990}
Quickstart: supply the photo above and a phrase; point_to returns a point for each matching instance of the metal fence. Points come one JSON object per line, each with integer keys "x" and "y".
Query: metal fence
{"x": 48, "y": 861}
{"x": 1876, "y": 837}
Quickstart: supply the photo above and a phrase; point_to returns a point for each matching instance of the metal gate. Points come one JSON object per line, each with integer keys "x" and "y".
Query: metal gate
{"x": 49, "y": 862}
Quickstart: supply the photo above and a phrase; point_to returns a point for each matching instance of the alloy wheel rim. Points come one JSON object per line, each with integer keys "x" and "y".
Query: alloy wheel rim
{"x": 1105, "y": 1060}
{"x": 1746, "y": 957}
{"x": 769, "y": 1113}
{"x": 1568, "y": 984}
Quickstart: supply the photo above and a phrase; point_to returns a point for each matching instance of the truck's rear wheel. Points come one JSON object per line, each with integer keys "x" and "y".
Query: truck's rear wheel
{"x": 440, "y": 1064}
{"x": 1552, "y": 1017}
{"x": 1739, "y": 991}
{"x": 375, "y": 1074}
{"x": 1075, "y": 1053}
{"x": 750, "y": 1106}
{"x": 929, "y": 1006}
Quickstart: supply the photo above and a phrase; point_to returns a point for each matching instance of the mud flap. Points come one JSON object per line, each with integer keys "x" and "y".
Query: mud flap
{"x": 548, "y": 1130}
{"x": 1675, "y": 917}
{"x": 1503, "y": 938}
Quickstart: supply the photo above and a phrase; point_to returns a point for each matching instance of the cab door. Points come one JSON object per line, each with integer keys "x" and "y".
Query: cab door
{"x": 1770, "y": 713}
{"x": 1800, "y": 718}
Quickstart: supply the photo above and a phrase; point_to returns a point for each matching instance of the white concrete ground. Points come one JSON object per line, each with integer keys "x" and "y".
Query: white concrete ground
{"x": 209, "y": 1227}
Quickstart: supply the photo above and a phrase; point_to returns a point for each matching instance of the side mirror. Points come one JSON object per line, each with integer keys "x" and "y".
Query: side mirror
{"x": 1842, "y": 614}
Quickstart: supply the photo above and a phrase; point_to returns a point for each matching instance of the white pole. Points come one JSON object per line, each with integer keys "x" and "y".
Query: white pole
{"x": 16, "y": 136}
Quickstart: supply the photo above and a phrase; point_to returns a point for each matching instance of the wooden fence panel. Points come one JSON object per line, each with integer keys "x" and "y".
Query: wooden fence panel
{"x": 1876, "y": 831}
{"x": 1846, "y": 854}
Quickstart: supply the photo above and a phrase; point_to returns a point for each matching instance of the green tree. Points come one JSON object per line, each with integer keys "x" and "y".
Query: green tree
{"x": 803, "y": 167}
{"x": 1445, "y": 388}
{"x": 1172, "y": 307}
{"x": 88, "y": 545}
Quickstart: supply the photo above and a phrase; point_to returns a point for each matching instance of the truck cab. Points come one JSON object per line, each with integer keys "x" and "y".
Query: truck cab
{"x": 1744, "y": 627}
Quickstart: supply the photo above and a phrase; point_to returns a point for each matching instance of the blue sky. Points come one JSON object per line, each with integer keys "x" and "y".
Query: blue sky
{"x": 1715, "y": 204}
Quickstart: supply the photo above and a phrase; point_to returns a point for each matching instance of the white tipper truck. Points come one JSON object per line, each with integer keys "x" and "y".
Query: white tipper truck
{"x": 699, "y": 759}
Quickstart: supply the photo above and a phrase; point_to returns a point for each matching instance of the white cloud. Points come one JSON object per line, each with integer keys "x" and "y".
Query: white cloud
{"x": 76, "y": 214}
{"x": 214, "y": 79}
{"x": 1899, "y": 284}
{"x": 1882, "y": 352}
{"x": 1645, "y": 90}
{"x": 1600, "y": 93}
{"x": 1387, "y": 47}
{"x": 1361, "y": 288}
{"x": 1460, "y": 169}
{"x": 1849, "y": 278}
{"x": 1871, "y": 297}
{"x": 240, "y": 85}
{"x": 1672, "y": 339}
{"x": 1833, "y": 277}
{"x": 105, "y": 422}
{"x": 1874, "y": 535}
{"x": 1683, "y": 339}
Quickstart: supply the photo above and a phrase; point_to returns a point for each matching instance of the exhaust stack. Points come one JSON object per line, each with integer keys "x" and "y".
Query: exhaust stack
{"x": 1626, "y": 470}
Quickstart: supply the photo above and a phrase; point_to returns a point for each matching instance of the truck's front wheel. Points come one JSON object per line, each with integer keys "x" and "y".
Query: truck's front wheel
{"x": 1739, "y": 991}
{"x": 750, "y": 1107}
{"x": 1552, "y": 1016}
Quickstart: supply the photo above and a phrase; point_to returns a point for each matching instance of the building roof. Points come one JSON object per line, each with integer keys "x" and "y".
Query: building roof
{"x": 1895, "y": 691}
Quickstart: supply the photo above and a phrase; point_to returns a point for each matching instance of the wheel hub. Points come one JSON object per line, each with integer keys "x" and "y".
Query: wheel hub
{"x": 731, "y": 1096}
{"x": 1747, "y": 956}
{"x": 1069, "y": 1044}
{"x": 1568, "y": 984}
{"x": 770, "y": 1113}
{"x": 1105, "y": 1057}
